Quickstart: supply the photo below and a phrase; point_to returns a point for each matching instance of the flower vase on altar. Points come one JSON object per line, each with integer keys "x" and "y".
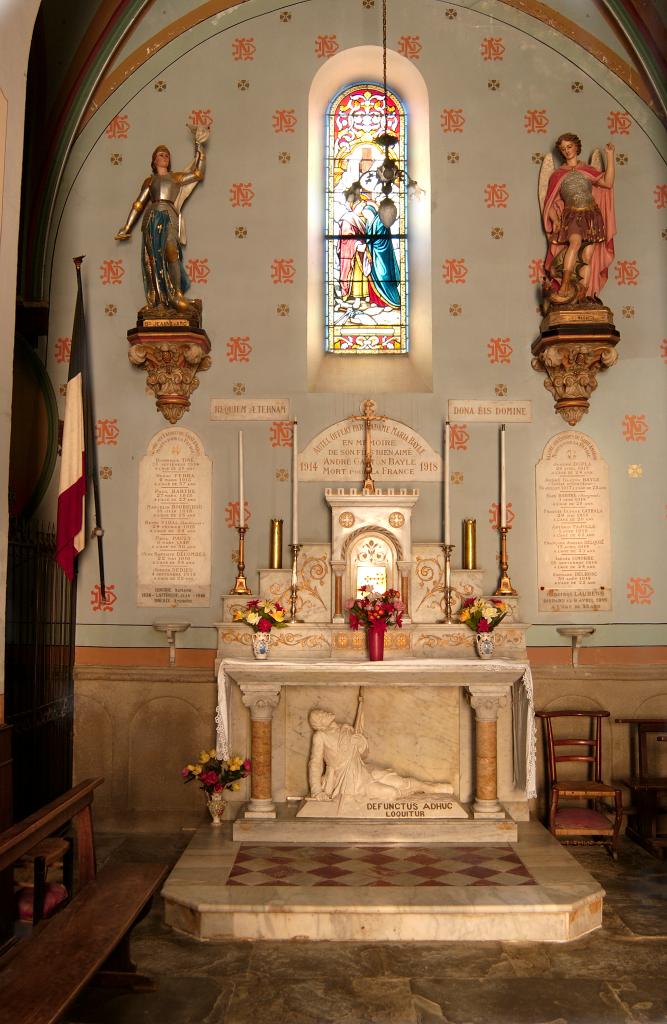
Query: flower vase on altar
{"x": 375, "y": 642}
{"x": 261, "y": 645}
{"x": 485, "y": 645}
{"x": 483, "y": 615}
{"x": 377, "y": 612}
{"x": 262, "y": 616}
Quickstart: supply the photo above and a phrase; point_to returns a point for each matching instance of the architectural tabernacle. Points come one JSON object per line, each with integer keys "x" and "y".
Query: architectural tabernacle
{"x": 398, "y": 483}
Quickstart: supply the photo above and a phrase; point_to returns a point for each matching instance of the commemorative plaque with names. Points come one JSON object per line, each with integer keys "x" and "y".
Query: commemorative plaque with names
{"x": 174, "y": 535}
{"x": 573, "y": 535}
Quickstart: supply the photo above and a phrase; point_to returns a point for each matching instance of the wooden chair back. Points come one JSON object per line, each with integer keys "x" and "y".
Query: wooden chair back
{"x": 592, "y": 744}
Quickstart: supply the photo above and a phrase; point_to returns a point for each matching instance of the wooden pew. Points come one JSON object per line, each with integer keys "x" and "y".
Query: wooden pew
{"x": 89, "y": 938}
{"x": 87, "y": 941}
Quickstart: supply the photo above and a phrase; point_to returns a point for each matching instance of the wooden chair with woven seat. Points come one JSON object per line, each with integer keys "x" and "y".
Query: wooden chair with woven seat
{"x": 577, "y": 825}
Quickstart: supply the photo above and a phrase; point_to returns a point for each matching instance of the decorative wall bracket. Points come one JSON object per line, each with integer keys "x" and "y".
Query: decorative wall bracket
{"x": 171, "y": 359}
{"x": 572, "y": 351}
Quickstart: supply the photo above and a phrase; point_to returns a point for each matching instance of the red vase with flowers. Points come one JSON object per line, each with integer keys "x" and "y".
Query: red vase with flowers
{"x": 376, "y": 613}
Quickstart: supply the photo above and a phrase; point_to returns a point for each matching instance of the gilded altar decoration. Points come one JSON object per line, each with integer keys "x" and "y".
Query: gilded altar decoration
{"x": 168, "y": 341}
{"x": 577, "y": 335}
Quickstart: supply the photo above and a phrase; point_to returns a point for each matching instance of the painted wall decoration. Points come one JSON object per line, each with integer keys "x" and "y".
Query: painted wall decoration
{"x": 487, "y": 142}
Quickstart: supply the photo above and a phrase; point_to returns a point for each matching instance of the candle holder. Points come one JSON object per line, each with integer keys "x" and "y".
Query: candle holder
{"x": 241, "y": 585}
{"x": 294, "y": 583}
{"x": 505, "y": 587}
{"x": 448, "y": 548}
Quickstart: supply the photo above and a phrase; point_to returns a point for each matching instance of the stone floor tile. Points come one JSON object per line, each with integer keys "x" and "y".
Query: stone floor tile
{"x": 164, "y": 952}
{"x": 294, "y": 961}
{"x": 645, "y": 1000}
{"x": 442, "y": 959}
{"x": 329, "y": 1000}
{"x": 522, "y": 1001}
{"x": 178, "y": 1000}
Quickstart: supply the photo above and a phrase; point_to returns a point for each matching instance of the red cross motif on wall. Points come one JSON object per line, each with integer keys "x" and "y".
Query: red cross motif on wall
{"x": 640, "y": 590}
{"x": 410, "y": 46}
{"x": 111, "y": 271}
{"x": 241, "y": 193}
{"x": 96, "y": 602}
{"x": 107, "y": 432}
{"x": 499, "y": 350}
{"x": 452, "y": 119}
{"x": 118, "y": 127}
{"x": 635, "y": 427}
{"x": 626, "y": 272}
{"x": 492, "y": 48}
{"x": 243, "y": 49}
{"x": 496, "y": 196}
{"x": 536, "y": 122}
{"x": 232, "y": 513}
{"x": 619, "y": 122}
{"x": 198, "y": 270}
{"x": 281, "y": 434}
{"x": 454, "y": 271}
{"x": 238, "y": 350}
{"x": 283, "y": 271}
{"x": 326, "y": 46}
{"x": 62, "y": 350}
{"x": 284, "y": 121}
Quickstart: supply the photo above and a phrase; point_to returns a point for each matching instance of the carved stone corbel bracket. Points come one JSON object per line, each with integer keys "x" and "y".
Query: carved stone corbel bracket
{"x": 572, "y": 357}
{"x": 171, "y": 359}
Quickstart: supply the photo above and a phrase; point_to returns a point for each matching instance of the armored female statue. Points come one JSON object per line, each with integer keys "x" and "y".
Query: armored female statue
{"x": 577, "y": 205}
{"x": 163, "y": 232}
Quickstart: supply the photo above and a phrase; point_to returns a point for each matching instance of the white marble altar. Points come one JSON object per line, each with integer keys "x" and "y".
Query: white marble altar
{"x": 422, "y": 715}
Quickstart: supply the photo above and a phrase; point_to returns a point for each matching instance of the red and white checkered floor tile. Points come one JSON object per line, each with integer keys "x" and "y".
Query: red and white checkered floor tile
{"x": 400, "y": 866}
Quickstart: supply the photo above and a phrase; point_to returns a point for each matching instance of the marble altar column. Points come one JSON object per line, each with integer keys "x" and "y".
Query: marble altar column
{"x": 486, "y": 701}
{"x": 338, "y": 568}
{"x": 262, "y": 703}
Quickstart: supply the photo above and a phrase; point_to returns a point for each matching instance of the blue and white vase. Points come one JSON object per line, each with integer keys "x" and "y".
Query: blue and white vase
{"x": 261, "y": 645}
{"x": 485, "y": 645}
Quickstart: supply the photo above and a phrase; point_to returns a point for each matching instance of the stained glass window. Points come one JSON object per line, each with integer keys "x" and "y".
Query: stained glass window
{"x": 366, "y": 277}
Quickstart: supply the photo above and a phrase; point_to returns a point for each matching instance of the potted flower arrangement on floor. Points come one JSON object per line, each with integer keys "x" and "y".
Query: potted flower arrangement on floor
{"x": 483, "y": 614}
{"x": 215, "y": 775}
{"x": 376, "y": 613}
{"x": 262, "y": 616}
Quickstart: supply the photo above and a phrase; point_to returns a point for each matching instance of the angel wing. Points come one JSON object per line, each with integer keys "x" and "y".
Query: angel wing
{"x": 546, "y": 170}
{"x": 596, "y": 160}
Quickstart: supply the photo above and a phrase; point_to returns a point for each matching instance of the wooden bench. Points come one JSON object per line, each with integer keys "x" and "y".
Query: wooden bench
{"x": 87, "y": 941}
{"x": 89, "y": 938}
{"x": 644, "y": 787}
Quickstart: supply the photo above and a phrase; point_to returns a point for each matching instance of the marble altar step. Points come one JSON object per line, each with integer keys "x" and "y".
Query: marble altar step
{"x": 529, "y": 890}
{"x": 287, "y": 828}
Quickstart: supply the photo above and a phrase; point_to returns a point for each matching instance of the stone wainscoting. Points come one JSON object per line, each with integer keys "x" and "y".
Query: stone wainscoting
{"x": 138, "y": 726}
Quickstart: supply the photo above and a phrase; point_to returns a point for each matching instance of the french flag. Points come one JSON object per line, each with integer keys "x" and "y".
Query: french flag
{"x": 71, "y": 523}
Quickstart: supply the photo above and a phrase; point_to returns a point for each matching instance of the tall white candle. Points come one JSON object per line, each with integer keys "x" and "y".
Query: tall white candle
{"x": 295, "y": 486}
{"x": 241, "y": 494}
{"x": 447, "y": 522}
{"x": 503, "y": 489}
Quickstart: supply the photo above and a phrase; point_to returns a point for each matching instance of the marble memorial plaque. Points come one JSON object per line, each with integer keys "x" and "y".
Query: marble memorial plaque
{"x": 573, "y": 532}
{"x": 399, "y": 454}
{"x": 471, "y": 410}
{"x": 174, "y": 535}
{"x": 250, "y": 409}
{"x": 413, "y": 808}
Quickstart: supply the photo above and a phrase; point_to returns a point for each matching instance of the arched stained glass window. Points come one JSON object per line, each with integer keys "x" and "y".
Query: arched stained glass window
{"x": 366, "y": 277}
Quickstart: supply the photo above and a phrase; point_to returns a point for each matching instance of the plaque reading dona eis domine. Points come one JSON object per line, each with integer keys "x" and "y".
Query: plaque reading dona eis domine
{"x": 573, "y": 537}
{"x": 174, "y": 535}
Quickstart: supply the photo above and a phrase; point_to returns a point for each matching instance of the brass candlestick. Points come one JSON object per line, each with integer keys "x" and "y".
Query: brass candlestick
{"x": 241, "y": 585}
{"x": 448, "y": 548}
{"x": 294, "y": 584}
{"x": 505, "y": 586}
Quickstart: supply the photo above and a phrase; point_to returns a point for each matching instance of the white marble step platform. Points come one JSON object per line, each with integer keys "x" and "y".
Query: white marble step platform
{"x": 287, "y": 828}
{"x": 561, "y": 903}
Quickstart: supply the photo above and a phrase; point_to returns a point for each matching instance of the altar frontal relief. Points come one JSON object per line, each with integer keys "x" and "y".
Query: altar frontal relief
{"x": 400, "y": 454}
{"x": 174, "y": 535}
{"x": 410, "y": 731}
{"x": 573, "y": 532}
